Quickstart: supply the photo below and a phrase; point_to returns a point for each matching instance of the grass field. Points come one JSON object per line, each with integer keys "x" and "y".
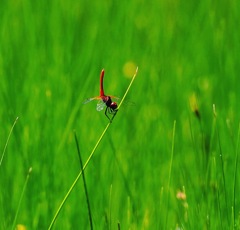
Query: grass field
{"x": 169, "y": 161}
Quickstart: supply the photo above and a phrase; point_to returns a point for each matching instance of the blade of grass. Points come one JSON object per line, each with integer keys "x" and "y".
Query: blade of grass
{"x": 89, "y": 158}
{"x": 222, "y": 167}
{"x": 235, "y": 177}
{"x": 84, "y": 182}
{"x": 170, "y": 171}
{"x": 5, "y": 147}
{"x": 119, "y": 227}
{"x": 110, "y": 208}
{"x": 124, "y": 96}
{"x": 21, "y": 198}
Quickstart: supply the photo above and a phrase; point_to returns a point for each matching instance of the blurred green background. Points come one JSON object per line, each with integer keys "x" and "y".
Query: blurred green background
{"x": 51, "y": 55}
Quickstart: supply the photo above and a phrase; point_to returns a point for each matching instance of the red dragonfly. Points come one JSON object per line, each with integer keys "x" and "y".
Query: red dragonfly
{"x": 105, "y": 101}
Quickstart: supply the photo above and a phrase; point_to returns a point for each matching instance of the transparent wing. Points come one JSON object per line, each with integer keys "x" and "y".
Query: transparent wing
{"x": 91, "y": 99}
{"x": 100, "y": 105}
{"x": 115, "y": 98}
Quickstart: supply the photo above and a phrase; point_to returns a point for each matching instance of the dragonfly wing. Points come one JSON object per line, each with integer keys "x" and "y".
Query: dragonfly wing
{"x": 91, "y": 99}
{"x": 114, "y": 97}
{"x": 88, "y": 100}
{"x": 100, "y": 105}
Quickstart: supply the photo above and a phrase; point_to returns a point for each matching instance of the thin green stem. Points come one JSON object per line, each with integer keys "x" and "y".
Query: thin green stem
{"x": 89, "y": 158}
{"x": 235, "y": 177}
{"x": 84, "y": 183}
{"x": 119, "y": 227}
{"x": 110, "y": 208}
{"x": 123, "y": 98}
{"x": 222, "y": 169}
{"x": 21, "y": 198}
{"x": 170, "y": 171}
{"x": 5, "y": 147}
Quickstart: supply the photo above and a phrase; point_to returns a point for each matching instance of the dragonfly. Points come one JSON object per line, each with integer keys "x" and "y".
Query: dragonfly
{"x": 105, "y": 101}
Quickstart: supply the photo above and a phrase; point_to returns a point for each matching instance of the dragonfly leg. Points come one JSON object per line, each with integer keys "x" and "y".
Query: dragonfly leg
{"x": 106, "y": 111}
{"x": 109, "y": 110}
{"x": 114, "y": 112}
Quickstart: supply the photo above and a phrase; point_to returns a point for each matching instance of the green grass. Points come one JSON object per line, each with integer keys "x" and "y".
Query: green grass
{"x": 51, "y": 55}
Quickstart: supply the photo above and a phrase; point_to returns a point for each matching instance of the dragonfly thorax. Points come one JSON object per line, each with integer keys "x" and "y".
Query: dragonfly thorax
{"x": 110, "y": 103}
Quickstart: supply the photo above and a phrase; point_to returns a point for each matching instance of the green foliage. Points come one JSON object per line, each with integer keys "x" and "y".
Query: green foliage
{"x": 51, "y": 55}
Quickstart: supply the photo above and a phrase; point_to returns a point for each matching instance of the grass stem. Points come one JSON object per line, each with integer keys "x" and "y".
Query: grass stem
{"x": 235, "y": 177}
{"x": 5, "y": 147}
{"x": 170, "y": 171}
{"x": 21, "y": 198}
{"x": 222, "y": 170}
{"x": 84, "y": 182}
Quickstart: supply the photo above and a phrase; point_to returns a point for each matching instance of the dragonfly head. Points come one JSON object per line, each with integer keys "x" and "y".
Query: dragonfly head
{"x": 113, "y": 106}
